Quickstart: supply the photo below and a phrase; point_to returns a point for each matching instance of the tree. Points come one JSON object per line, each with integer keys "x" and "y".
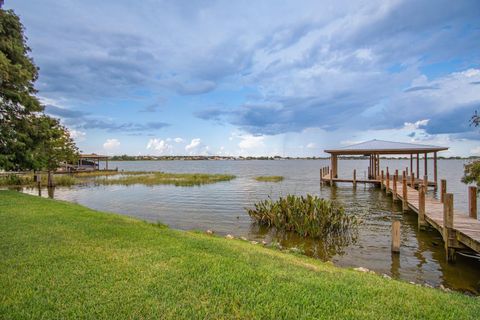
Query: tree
{"x": 29, "y": 139}
{"x": 17, "y": 94}
{"x": 54, "y": 146}
{"x": 472, "y": 170}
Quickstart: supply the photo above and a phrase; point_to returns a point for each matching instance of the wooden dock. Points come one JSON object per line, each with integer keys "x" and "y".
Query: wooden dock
{"x": 459, "y": 230}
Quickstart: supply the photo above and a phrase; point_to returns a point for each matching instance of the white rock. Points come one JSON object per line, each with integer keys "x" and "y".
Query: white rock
{"x": 264, "y": 242}
{"x": 254, "y": 242}
{"x": 386, "y": 276}
{"x": 209, "y": 232}
{"x": 243, "y": 238}
{"x": 229, "y": 236}
{"x": 361, "y": 269}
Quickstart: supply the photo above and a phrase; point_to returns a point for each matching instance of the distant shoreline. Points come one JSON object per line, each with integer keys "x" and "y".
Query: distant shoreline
{"x": 219, "y": 158}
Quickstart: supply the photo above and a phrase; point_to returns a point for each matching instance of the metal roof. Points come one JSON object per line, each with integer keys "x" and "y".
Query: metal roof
{"x": 386, "y": 147}
{"x": 93, "y": 156}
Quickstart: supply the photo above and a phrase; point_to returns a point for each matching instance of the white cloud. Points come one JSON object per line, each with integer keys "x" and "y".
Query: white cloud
{"x": 416, "y": 125}
{"x": 111, "y": 144}
{"x": 250, "y": 141}
{"x": 195, "y": 143}
{"x": 311, "y": 145}
{"x": 178, "y": 140}
{"x": 77, "y": 135}
{"x": 158, "y": 145}
{"x": 475, "y": 151}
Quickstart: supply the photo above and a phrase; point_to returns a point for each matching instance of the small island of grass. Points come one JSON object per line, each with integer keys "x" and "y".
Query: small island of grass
{"x": 269, "y": 178}
{"x": 177, "y": 179}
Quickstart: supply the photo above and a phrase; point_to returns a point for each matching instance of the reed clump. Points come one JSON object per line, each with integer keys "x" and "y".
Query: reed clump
{"x": 177, "y": 179}
{"x": 269, "y": 178}
{"x": 309, "y": 216}
{"x": 101, "y": 173}
{"x": 26, "y": 180}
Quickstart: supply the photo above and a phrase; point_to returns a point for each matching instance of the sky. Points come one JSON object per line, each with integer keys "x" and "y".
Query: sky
{"x": 252, "y": 78}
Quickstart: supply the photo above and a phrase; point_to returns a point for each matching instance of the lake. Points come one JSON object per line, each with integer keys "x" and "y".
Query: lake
{"x": 221, "y": 207}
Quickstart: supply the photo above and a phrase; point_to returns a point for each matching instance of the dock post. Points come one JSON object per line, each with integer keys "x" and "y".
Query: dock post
{"x": 412, "y": 180}
{"x": 394, "y": 193}
{"x": 396, "y": 173}
{"x": 321, "y": 175}
{"x": 443, "y": 183}
{"x": 387, "y": 186}
{"x": 421, "y": 207}
{"x": 449, "y": 236}
{"x": 425, "y": 182}
{"x": 331, "y": 177}
{"x": 472, "y": 202}
{"x": 354, "y": 178}
{"x": 396, "y": 236}
{"x": 404, "y": 194}
{"x": 381, "y": 180}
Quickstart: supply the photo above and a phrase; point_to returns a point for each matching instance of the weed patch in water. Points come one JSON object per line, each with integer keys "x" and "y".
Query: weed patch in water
{"x": 269, "y": 178}
{"x": 308, "y": 216}
{"x": 177, "y": 179}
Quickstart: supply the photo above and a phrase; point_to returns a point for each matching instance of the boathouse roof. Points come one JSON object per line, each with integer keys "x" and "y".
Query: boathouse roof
{"x": 92, "y": 156}
{"x": 385, "y": 147}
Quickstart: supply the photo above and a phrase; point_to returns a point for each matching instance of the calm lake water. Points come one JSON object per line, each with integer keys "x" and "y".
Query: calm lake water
{"x": 221, "y": 207}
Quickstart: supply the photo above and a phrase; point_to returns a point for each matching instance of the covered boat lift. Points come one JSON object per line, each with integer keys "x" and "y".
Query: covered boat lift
{"x": 373, "y": 149}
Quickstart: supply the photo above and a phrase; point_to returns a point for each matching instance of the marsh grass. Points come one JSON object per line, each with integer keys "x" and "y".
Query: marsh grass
{"x": 308, "y": 216}
{"x": 177, "y": 179}
{"x": 269, "y": 178}
{"x": 14, "y": 180}
{"x": 99, "y": 173}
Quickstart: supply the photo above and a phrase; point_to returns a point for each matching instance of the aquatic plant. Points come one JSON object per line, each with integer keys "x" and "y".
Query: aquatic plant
{"x": 101, "y": 173}
{"x": 308, "y": 216}
{"x": 269, "y": 178}
{"x": 27, "y": 180}
{"x": 177, "y": 179}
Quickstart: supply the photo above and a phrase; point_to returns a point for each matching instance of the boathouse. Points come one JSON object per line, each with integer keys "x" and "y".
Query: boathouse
{"x": 91, "y": 162}
{"x": 374, "y": 149}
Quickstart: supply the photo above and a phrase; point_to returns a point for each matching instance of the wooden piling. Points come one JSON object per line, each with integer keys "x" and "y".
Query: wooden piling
{"x": 331, "y": 177}
{"x": 396, "y": 236}
{"x": 394, "y": 192}
{"x": 354, "y": 177}
{"x": 404, "y": 194}
{"x": 472, "y": 202}
{"x": 382, "y": 178}
{"x": 443, "y": 188}
{"x": 387, "y": 187}
{"x": 421, "y": 207}
{"x": 425, "y": 182}
{"x": 412, "y": 180}
{"x": 449, "y": 234}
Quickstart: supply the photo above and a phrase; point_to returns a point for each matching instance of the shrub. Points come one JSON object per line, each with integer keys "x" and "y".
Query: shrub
{"x": 308, "y": 216}
{"x": 472, "y": 173}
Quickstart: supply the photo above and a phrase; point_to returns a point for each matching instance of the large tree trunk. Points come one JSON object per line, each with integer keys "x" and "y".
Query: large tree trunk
{"x": 51, "y": 182}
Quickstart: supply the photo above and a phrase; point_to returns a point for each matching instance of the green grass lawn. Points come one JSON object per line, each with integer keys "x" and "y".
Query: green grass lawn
{"x": 61, "y": 260}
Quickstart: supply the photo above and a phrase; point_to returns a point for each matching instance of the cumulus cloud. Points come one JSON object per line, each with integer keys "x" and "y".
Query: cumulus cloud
{"x": 111, "y": 144}
{"x": 250, "y": 142}
{"x": 77, "y": 135}
{"x": 311, "y": 145}
{"x": 178, "y": 140}
{"x": 195, "y": 143}
{"x": 158, "y": 145}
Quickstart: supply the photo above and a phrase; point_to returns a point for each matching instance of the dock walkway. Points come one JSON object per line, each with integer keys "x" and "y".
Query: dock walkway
{"x": 459, "y": 230}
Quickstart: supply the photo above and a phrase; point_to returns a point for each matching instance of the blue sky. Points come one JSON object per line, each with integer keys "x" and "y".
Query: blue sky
{"x": 288, "y": 78}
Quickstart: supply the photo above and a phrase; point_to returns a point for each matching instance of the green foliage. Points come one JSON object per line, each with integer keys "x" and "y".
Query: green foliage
{"x": 472, "y": 173}
{"x": 269, "y": 178}
{"x": 17, "y": 95}
{"x": 26, "y": 180}
{"x": 308, "y": 216}
{"x": 59, "y": 260}
{"x": 177, "y": 179}
{"x": 28, "y": 138}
